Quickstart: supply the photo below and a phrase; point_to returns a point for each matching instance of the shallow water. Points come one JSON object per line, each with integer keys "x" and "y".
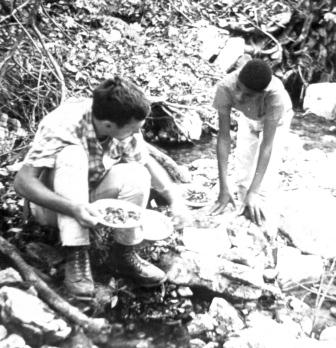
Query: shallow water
{"x": 174, "y": 335}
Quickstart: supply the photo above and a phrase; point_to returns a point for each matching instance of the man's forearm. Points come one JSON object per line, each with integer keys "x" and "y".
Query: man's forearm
{"x": 262, "y": 164}
{"x": 161, "y": 180}
{"x": 39, "y": 194}
{"x": 223, "y": 150}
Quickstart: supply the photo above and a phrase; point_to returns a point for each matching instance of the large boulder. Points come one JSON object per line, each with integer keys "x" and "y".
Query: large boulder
{"x": 216, "y": 274}
{"x": 320, "y": 99}
{"x": 33, "y": 319}
{"x": 307, "y": 218}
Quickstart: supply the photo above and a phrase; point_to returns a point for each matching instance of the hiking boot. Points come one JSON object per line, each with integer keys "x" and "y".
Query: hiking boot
{"x": 130, "y": 264}
{"x": 78, "y": 278}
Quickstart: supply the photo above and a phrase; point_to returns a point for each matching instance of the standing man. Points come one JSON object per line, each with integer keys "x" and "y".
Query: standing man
{"x": 262, "y": 128}
{"x": 89, "y": 150}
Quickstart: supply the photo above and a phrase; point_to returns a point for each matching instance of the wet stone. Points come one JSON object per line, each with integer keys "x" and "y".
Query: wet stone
{"x": 197, "y": 343}
{"x": 184, "y": 291}
{"x": 3, "y": 332}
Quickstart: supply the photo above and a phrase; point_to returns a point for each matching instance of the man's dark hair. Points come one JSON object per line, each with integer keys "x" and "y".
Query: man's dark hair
{"x": 255, "y": 75}
{"x": 119, "y": 101}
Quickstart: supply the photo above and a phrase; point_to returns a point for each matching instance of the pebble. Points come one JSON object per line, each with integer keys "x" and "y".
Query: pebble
{"x": 197, "y": 343}
{"x": 184, "y": 291}
{"x": 3, "y": 332}
{"x": 270, "y": 275}
{"x": 332, "y": 311}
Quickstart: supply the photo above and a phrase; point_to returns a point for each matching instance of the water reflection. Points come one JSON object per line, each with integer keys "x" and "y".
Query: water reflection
{"x": 185, "y": 154}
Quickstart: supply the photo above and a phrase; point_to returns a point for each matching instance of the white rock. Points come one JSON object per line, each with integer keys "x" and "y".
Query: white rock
{"x": 3, "y": 332}
{"x": 225, "y": 314}
{"x": 294, "y": 267}
{"x": 307, "y": 217}
{"x": 27, "y": 311}
{"x": 197, "y": 343}
{"x": 10, "y": 275}
{"x": 228, "y": 56}
{"x": 212, "y": 241}
{"x": 320, "y": 99}
{"x": 328, "y": 334}
{"x": 13, "y": 341}
{"x": 201, "y": 323}
{"x": 184, "y": 291}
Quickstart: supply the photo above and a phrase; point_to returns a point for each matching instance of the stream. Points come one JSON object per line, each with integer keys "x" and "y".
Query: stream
{"x": 154, "y": 318}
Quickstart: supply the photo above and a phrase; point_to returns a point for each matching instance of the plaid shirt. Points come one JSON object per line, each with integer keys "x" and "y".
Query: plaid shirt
{"x": 71, "y": 124}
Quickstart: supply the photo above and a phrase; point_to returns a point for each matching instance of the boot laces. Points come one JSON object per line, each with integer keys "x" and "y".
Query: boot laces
{"x": 133, "y": 259}
{"x": 82, "y": 263}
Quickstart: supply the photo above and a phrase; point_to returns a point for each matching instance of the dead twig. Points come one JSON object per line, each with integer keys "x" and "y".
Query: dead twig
{"x": 92, "y": 325}
{"x": 53, "y": 62}
{"x": 14, "y": 11}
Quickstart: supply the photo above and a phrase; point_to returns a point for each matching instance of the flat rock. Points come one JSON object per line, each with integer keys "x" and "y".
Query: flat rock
{"x": 307, "y": 218}
{"x": 214, "y": 273}
{"x": 226, "y": 315}
{"x": 294, "y": 267}
{"x": 31, "y": 317}
{"x": 10, "y": 276}
{"x": 320, "y": 99}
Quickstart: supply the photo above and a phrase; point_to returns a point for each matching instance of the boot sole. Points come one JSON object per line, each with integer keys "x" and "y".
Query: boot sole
{"x": 151, "y": 285}
{"x": 140, "y": 282}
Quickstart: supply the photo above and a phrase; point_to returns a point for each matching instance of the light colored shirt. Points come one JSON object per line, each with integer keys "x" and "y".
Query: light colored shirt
{"x": 273, "y": 103}
{"x": 71, "y": 124}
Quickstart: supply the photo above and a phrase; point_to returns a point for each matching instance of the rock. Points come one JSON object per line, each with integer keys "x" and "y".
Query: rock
{"x": 184, "y": 291}
{"x": 320, "y": 100}
{"x": 230, "y": 53}
{"x": 211, "y": 38}
{"x": 213, "y": 241}
{"x": 307, "y": 218}
{"x": 197, "y": 343}
{"x": 13, "y": 341}
{"x": 295, "y": 268}
{"x": 200, "y": 324}
{"x": 9, "y": 276}
{"x": 31, "y": 317}
{"x": 333, "y": 311}
{"x": 328, "y": 334}
{"x": 297, "y": 314}
{"x": 77, "y": 339}
{"x": 216, "y": 274}
{"x": 3, "y": 332}
{"x": 212, "y": 345}
{"x": 226, "y": 315}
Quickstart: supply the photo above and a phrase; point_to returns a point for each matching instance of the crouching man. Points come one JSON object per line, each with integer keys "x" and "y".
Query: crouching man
{"x": 88, "y": 150}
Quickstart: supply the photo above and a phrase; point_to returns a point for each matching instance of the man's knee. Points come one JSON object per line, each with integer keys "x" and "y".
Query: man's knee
{"x": 137, "y": 177}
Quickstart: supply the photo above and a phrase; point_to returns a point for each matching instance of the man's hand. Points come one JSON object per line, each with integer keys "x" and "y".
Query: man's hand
{"x": 224, "y": 198}
{"x": 86, "y": 215}
{"x": 252, "y": 208}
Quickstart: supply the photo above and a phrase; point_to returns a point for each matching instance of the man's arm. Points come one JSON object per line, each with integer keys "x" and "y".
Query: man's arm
{"x": 265, "y": 152}
{"x": 28, "y": 185}
{"x": 252, "y": 202}
{"x": 223, "y": 151}
{"x": 162, "y": 182}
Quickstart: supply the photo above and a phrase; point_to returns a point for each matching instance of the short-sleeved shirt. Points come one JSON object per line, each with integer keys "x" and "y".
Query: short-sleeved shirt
{"x": 71, "y": 124}
{"x": 273, "y": 103}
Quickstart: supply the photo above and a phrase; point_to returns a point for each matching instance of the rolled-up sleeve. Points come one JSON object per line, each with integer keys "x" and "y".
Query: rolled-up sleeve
{"x": 222, "y": 98}
{"x": 50, "y": 138}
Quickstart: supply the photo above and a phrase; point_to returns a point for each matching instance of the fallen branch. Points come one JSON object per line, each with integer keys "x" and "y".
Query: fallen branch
{"x": 53, "y": 62}
{"x": 97, "y": 326}
{"x": 14, "y": 11}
